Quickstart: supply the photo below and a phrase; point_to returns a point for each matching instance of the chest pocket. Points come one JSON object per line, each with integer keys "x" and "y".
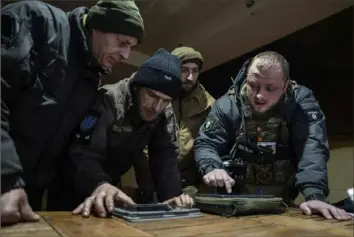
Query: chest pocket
{"x": 122, "y": 134}
{"x": 272, "y": 130}
{"x": 126, "y": 139}
{"x": 272, "y": 134}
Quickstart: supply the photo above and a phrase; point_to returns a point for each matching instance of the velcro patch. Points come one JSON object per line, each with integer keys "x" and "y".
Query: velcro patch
{"x": 88, "y": 123}
{"x": 86, "y": 129}
{"x": 313, "y": 115}
{"x": 208, "y": 124}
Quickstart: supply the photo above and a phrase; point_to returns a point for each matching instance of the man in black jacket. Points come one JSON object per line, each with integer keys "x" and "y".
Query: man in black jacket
{"x": 126, "y": 117}
{"x": 50, "y": 68}
{"x": 270, "y": 134}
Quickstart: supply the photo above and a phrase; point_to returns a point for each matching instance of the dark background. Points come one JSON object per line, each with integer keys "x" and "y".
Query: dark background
{"x": 320, "y": 57}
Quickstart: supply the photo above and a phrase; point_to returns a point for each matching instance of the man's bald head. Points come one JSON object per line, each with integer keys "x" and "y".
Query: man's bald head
{"x": 267, "y": 80}
{"x": 264, "y": 61}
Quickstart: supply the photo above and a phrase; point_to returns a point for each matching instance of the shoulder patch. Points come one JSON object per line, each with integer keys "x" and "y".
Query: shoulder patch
{"x": 208, "y": 124}
{"x": 88, "y": 123}
{"x": 313, "y": 115}
{"x": 84, "y": 132}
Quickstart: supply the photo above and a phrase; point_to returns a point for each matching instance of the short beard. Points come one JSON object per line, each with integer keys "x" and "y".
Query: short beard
{"x": 275, "y": 108}
{"x": 187, "y": 92}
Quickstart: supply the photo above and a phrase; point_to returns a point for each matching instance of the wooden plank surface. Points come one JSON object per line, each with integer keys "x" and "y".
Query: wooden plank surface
{"x": 77, "y": 226}
{"x": 290, "y": 224}
{"x": 41, "y": 228}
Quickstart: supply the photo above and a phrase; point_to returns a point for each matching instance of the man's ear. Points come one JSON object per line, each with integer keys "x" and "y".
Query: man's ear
{"x": 286, "y": 85}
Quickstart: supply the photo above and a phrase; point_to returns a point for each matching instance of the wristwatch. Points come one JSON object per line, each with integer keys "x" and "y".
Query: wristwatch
{"x": 317, "y": 196}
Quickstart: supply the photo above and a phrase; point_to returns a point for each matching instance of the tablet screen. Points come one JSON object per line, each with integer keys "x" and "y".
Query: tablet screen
{"x": 147, "y": 207}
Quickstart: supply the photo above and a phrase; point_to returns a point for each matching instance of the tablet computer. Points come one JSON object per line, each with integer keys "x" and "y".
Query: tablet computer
{"x": 154, "y": 212}
{"x": 146, "y": 207}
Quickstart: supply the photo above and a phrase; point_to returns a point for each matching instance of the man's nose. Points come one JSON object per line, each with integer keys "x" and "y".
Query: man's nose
{"x": 190, "y": 76}
{"x": 158, "y": 106}
{"x": 125, "y": 52}
{"x": 260, "y": 94}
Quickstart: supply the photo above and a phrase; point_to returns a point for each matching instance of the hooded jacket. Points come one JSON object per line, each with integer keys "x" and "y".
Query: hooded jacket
{"x": 308, "y": 137}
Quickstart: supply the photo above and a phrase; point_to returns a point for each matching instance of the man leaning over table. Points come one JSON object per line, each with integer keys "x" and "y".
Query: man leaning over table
{"x": 274, "y": 129}
{"x": 126, "y": 117}
{"x": 51, "y": 65}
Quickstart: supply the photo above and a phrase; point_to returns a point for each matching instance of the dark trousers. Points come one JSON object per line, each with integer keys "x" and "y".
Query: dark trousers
{"x": 60, "y": 196}
{"x": 35, "y": 197}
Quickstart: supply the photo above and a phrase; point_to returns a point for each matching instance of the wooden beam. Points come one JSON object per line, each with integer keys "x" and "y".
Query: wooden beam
{"x": 278, "y": 19}
{"x": 230, "y": 14}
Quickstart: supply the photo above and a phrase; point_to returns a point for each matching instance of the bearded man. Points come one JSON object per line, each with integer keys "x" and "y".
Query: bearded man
{"x": 275, "y": 131}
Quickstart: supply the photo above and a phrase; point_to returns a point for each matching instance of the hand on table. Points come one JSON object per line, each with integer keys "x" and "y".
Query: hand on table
{"x": 328, "y": 211}
{"x": 183, "y": 200}
{"x": 219, "y": 178}
{"x": 14, "y": 207}
{"x": 102, "y": 201}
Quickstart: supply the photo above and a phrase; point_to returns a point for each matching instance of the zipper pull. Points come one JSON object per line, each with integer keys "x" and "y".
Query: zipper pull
{"x": 259, "y": 134}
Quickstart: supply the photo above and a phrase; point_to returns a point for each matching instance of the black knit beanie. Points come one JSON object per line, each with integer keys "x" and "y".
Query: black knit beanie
{"x": 161, "y": 72}
{"x": 117, "y": 16}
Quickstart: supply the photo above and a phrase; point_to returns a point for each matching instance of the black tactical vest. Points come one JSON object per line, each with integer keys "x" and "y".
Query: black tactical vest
{"x": 274, "y": 172}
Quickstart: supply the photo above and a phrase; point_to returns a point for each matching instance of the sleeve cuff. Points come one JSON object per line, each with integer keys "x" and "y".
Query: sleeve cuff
{"x": 11, "y": 182}
{"x": 312, "y": 193}
{"x": 88, "y": 186}
{"x": 210, "y": 168}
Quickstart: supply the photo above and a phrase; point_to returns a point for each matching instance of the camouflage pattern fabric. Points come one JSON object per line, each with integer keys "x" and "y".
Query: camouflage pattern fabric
{"x": 274, "y": 176}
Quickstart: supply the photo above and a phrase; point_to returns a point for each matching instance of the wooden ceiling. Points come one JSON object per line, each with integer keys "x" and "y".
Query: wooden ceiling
{"x": 221, "y": 29}
{"x": 225, "y": 29}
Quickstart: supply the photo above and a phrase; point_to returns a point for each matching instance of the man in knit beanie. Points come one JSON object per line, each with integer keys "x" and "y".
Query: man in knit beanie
{"x": 51, "y": 62}
{"x": 128, "y": 116}
{"x": 114, "y": 27}
{"x": 191, "y": 108}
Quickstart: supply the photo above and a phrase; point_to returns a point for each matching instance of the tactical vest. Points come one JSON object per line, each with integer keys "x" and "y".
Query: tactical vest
{"x": 275, "y": 174}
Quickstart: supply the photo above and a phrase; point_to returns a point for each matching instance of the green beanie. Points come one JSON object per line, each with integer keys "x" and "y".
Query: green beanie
{"x": 188, "y": 54}
{"x": 117, "y": 16}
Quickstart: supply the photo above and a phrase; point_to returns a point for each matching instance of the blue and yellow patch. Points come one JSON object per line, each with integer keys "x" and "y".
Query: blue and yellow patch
{"x": 88, "y": 123}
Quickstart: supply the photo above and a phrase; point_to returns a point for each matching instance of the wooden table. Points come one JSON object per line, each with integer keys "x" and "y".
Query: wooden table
{"x": 290, "y": 224}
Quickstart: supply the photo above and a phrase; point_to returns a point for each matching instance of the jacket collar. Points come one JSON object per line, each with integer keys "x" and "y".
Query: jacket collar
{"x": 80, "y": 35}
{"x": 199, "y": 99}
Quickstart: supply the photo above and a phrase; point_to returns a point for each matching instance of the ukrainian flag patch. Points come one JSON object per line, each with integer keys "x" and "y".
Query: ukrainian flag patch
{"x": 88, "y": 123}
